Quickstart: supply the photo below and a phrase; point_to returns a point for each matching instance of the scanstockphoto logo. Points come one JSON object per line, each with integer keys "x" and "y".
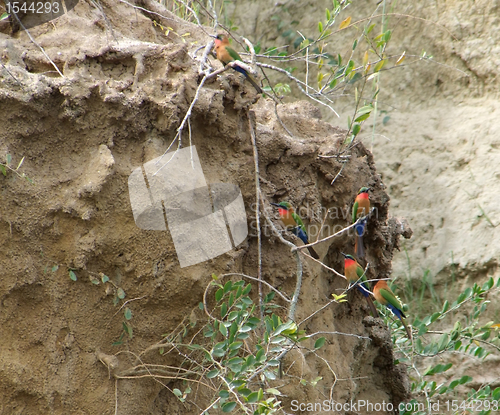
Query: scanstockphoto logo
{"x": 29, "y": 13}
{"x": 205, "y": 221}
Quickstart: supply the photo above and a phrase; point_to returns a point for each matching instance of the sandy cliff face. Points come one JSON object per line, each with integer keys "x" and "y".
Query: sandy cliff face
{"x": 125, "y": 90}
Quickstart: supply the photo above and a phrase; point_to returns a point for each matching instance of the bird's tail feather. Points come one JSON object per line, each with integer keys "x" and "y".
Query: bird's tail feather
{"x": 372, "y": 307}
{"x": 359, "y": 247}
{"x": 313, "y": 253}
{"x": 254, "y": 84}
{"x": 408, "y": 332}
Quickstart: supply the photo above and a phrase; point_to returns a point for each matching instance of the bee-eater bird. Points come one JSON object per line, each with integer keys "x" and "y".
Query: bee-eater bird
{"x": 355, "y": 274}
{"x": 293, "y": 221}
{"x": 384, "y": 295}
{"x": 360, "y": 208}
{"x": 226, "y": 54}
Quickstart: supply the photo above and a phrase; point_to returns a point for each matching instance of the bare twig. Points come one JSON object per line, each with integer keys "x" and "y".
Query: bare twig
{"x": 299, "y": 84}
{"x": 251, "y": 123}
{"x": 37, "y": 44}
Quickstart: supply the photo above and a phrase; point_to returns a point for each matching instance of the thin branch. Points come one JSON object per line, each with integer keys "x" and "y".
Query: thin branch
{"x": 37, "y": 44}
{"x": 256, "y": 279}
{"x": 299, "y": 84}
{"x": 251, "y": 123}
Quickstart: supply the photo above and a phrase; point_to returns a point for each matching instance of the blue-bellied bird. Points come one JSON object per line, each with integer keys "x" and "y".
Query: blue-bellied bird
{"x": 226, "y": 54}
{"x": 384, "y": 295}
{"x": 293, "y": 221}
{"x": 355, "y": 274}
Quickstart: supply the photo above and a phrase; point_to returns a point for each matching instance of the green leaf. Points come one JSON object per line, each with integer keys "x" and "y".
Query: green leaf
{"x": 55, "y": 268}
{"x": 72, "y": 275}
{"x": 224, "y": 394}
{"x": 488, "y": 284}
{"x": 213, "y": 373}
{"x": 437, "y": 369}
{"x": 269, "y": 375}
{"x": 227, "y": 286}
{"x": 235, "y": 345}
{"x": 223, "y": 329}
{"x": 370, "y": 28}
{"x": 260, "y": 356}
{"x": 355, "y": 44}
{"x": 228, "y": 406}
{"x": 128, "y": 313}
{"x": 273, "y": 391}
{"x": 446, "y": 307}
{"x": 320, "y": 27}
{"x": 355, "y": 129}
{"x": 443, "y": 342}
{"x": 128, "y": 329}
{"x": 464, "y": 379}
{"x": 246, "y": 300}
{"x": 379, "y": 65}
{"x": 120, "y": 293}
{"x": 223, "y": 310}
{"x": 218, "y": 295}
{"x": 434, "y": 317}
{"x": 3, "y": 170}
{"x": 253, "y": 397}
{"x": 362, "y": 118}
{"x": 319, "y": 343}
{"x": 9, "y": 159}
{"x": 209, "y": 331}
{"x": 328, "y": 14}
{"x": 218, "y": 352}
{"x": 496, "y": 394}
{"x": 177, "y": 392}
{"x": 104, "y": 278}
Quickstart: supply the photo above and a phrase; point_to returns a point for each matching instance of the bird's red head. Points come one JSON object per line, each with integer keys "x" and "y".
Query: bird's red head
{"x": 221, "y": 40}
{"x": 381, "y": 285}
{"x": 349, "y": 260}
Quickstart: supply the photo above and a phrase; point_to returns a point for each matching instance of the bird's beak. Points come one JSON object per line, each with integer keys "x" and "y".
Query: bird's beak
{"x": 275, "y": 204}
{"x": 345, "y": 255}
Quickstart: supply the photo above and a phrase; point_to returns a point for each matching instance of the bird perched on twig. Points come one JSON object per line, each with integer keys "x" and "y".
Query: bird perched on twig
{"x": 384, "y": 295}
{"x": 293, "y": 221}
{"x": 354, "y": 274}
{"x": 226, "y": 54}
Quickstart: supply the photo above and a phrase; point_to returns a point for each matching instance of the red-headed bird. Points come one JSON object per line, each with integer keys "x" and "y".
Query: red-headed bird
{"x": 292, "y": 221}
{"x": 360, "y": 208}
{"x": 226, "y": 54}
{"x": 356, "y": 275}
{"x": 384, "y": 295}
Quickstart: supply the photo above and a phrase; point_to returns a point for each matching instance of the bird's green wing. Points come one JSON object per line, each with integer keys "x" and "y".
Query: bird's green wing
{"x": 360, "y": 272}
{"x": 299, "y": 222}
{"x": 233, "y": 53}
{"x": 391, "y": 298}
{"x": 354, "y": 212}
